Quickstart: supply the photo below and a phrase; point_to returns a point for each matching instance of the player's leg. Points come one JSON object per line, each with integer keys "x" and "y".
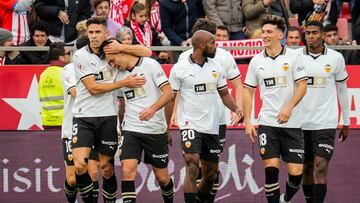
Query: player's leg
{"x": 323, "y": 152}
{"x": 166, "y": 183}
{"x": 70, "y": 187}
{"x": 130, "y": 156}
{"x": 269, "y": 144}
{"x": 292, "y": 142}
{"x": 308, "y": 173}
{"x": 93, "y": 168}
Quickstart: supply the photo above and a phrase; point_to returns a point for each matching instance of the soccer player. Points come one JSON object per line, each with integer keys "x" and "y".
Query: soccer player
{"x": 199, "y": 80}
{"x": 282, "y": 83}
{"x": 94, "y": 122}
{"x": 144, "y": 127}
{"x": 232, "y": 73}
{"x": 69, "y": 86}
{"x": 326, "y": 81}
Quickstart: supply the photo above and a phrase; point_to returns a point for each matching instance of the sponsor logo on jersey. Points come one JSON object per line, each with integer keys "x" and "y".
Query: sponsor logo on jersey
{"x": 326, "y": 146}
{"x": 285, "y": 66}
{"x": 327, "y": 68}
{"x": 279, "y": 81}
{"x": 200, "y": 88}
{"x": 160, "y": 156}
{"x": 296, "y": 151}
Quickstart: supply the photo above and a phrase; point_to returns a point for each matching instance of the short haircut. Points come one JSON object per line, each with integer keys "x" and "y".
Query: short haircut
{"x": 39, "y": 25}
{"x": 56, "y": 50}
{"x": 316, "y": 24}
{"x": 223, "y": 27}
{"x": 97, "y": 2}
{"x": 123, "y": 32}
{"x": 204, "y": 24}
{"x": 331, "y": 27}
{"x": 278, "y": 21}
{"x": 81, "y": 42}
{"x": 96, "y": 20}
{"x": 293, "y": 29}
{"x": 101, "y": 49}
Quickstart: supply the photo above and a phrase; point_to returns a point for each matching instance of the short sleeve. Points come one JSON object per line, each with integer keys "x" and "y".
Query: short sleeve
{"x": 341, "y": 73}
{"x": 174, "y": 79}
{"x": 251, "y": 79}
{"x": 222, "y": 84}
{"x": 298, "y": 70}
{"x": 68, "y": 77}
{"x": 230, "y": 66}
{"x": 81, "y": 67}
{"x": 158, "y": 75}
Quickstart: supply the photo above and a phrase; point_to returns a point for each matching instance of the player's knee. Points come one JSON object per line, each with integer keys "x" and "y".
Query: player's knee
{"x": 192, "y": 168}
{"x": 163, "y": 179}
{"x": 210, "y": 177}
{"x": 71, "y": 180}
{"x": 320, "y": 168}
{"x": 93, "y": 174}
{"x": 128, "y": 172}
{"x": 81, "y": 165}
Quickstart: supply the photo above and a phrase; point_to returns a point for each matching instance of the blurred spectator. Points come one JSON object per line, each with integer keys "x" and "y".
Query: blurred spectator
{"x": 228, "y": 13}
{"x": 62, "y": 16}
{"x": 254, "y": 11}
{"x": 154, "y": 16}
{"x": 119, "y": 10}
{"x": 102, "y": 8}
{"x": 332, "y": 37}
{"x": 355, "y": 20}
{"x": 222, "y": 33}
{"x": 278, "y": 8}
{"x": 13, "y": 17}
{"x": 125, "y": 35}
{"x": 81, "y": 28}
{"x": 8, "y": 57}
{"x": 39, "y": 37}
{"x": 294, "y": 37}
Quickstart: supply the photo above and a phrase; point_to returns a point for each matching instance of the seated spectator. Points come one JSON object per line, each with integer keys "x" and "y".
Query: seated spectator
{"x": 254, "y": 11}
{"x": 125, "y": 35}
{"x": 39, "y": 37}
{"x": 102, "y": 8}
{"x": 222, "y": 33}
{"x": 228, "y": 13}
{"x": 332, "y": 37}
{"x": 154, "y": 16}
{"x": 294, "y": 37}
{"x": 13, "y": 17}
{"x": 62, "y": 18}
{"x": 8, "y": 57}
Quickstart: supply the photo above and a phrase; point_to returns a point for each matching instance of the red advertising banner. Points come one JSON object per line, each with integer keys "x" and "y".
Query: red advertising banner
{"x": 20, "y": 106}
{"x": 242, "y": 54}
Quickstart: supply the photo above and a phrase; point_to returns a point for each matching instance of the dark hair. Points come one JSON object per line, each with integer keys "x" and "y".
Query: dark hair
{"x": 81, "y": 42}
{"x": 39, "y": 26}
{"x": 96, "y": 20}
{"x": 316, "y": 24}
{"x": 223, "y": 27}
{"x": 293, "y": 29}
{"x": 331, "y": 27}
{"x": 278, "y": 21}
{"x": 106, "y": 42}
{"x": 97, "y": 2}
{"x": 136, "y": 8}
{"x": 204, "y": 24}
{"x": 56, "y": 50}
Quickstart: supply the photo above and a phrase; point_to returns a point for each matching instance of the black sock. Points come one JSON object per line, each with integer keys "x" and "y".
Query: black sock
{"x": 128, "y": 191}
{"x": 168, "y": 192}
{"x": 109, "y": 189}
{"x": 272, "y": 188}
{"x": 190, "y": 197}
{"x": 292, "y": 186}
{"x": 70, "y": 192}
{"x": 199, "y": 176}
{"x": 319, "y": 192}
{"x": 214, "y": 190}
{"x": 95, "y": 192}
{"x": 85, "y": 187}
{"x": 307, "y": 189}
{"x": 201, "y": 197}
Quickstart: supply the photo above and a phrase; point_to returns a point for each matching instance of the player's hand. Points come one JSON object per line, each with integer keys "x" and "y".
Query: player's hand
{"x": 147, "y": 114}
{"x": 113, "y": 47}
{"x": 284, "y": 115}
{"x": 173, "y": 120}
{"x": 132, "y": 81}
{"x": 236, "y": 119}
{"x": 169, "y": 137}
{"x": 344, "y": 132}
{"x": 250, "y": 132}
{"x": 63, "y": 16}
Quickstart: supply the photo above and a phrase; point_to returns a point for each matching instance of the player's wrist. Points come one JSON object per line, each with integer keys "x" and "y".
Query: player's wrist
{"x": 239, "y": 112}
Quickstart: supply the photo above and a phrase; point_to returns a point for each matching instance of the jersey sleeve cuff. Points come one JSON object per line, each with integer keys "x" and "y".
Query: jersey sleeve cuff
{"x": 343, "y": 79}
{"x": 85, "y": 76}
{"x": 163, "y": 83}
{"x": 236, "y": 77}
{"x": 251, "y": 86}
{"x": 222, "y": 87}
{"x": 68, "y": 89}
{"x": 302, "y": 78}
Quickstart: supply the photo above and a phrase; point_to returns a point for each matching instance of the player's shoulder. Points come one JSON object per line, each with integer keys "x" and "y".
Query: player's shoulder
{"x": 223, "y": 53}
{"x": 69, "y": 68}
{"x": 184, "y": 55}
{"x": 81, "y": 52}
{"x": 333, "y": 53}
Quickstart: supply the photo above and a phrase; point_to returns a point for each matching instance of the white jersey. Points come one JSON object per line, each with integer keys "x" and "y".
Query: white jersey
{"x": 198, "y": 87}
{"x": 320, "y": 102}
{"x": 231, "y": 71}
{"x": 276, "y": 78}
{"x": 68, "y": 82}
{"x": 138, "y": 99}
{"x": 88, "y": 64}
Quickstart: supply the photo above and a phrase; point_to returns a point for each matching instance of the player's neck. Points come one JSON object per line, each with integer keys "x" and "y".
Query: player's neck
{"x": 95, "y": 49}
{"x": 274, "y": 51}
{"x": 198, "y": 57}
{"x": 132, "y": 61}
{"x": 316, "y": 50}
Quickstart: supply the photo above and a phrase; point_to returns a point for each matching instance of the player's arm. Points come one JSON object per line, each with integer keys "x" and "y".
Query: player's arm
{"x": 72, "y": 92}
{"x": 239, "y": 93}
{"x": 121, "y": 110}
{"x": 98, "y": 88}
{"x": 230, "y": 103}
{"x": 247, "y": 107}
{"x": 136, "y": 50}
{"x": 343, "y": 96}
{"x": 300, "y": 91}
{"x": 173, "y": 119}
{"x": 169, "y": 113}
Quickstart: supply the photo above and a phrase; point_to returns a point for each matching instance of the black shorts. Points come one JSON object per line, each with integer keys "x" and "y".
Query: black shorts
{"x": 155, "y": 147}
{"x": 285, "y": 142}
{"x": 222, "y": 136}
{"x": 67, "y": 152}
{"x": 207, "y": 145}
{"x": 319, "y": 143}
{"x": 96, "y": 132}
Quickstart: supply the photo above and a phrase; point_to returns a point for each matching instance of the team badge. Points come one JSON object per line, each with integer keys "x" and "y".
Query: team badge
{"x": 262, "y": 150}
{"x": 74, "y": 139}
{"x": 214, "y": 74}
{"x": 285, "y": 66}
{"x": 70, "y": 157}
{"x": 327, "y": 68}
{"x": 187, "y": 144}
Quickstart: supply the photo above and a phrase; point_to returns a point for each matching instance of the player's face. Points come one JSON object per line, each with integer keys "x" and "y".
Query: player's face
{"x": 127, "y": 39}
{"x": 97, "y": 34}
{"x": 103, "y": 9}
{"x": 210, "y": 48}
{"x": 221, "y": 35}
{"x": 293, "y": 38}
{"x": 139, "y": 17}
{"x": 117, "y": 60}
{"x": 313, "y": 36}
{"x": 332, "y": 38}
{"x": 271, "y": 35}
{"x": 40, "y": 38}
